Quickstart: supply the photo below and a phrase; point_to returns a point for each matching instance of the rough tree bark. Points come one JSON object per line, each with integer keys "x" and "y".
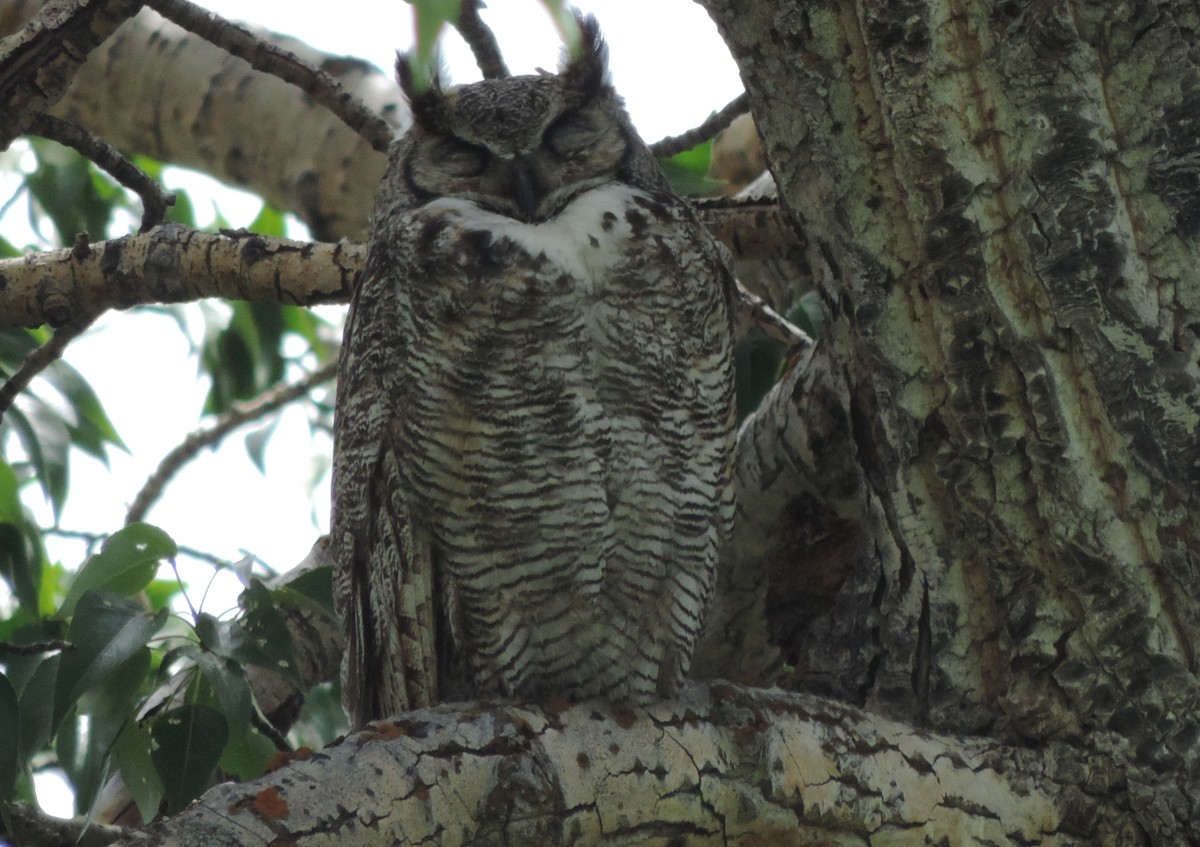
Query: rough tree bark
{"x": 979, "y": 497}
{"x": 1000, "y": 200}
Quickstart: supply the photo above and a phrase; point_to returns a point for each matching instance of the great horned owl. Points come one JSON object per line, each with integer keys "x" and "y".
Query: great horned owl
{"x": 535, "y": 416}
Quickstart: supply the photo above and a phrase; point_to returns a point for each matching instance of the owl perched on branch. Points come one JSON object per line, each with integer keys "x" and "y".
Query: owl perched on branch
{"x": 535, "y": 412}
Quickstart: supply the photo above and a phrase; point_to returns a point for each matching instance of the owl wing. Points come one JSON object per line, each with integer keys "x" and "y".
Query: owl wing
{"x": 383, "y": 574}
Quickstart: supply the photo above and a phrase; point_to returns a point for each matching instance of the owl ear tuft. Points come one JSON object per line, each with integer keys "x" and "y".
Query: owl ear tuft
{"x": 422, "y": 88}
{"x": 584, "y": 71}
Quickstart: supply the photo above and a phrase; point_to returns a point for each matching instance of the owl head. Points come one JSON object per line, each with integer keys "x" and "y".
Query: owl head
{"x": 524, "y": 146}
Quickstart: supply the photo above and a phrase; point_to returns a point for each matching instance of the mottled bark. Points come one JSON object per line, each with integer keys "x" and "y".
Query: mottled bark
{"x": 1000, "y": 202}
{"x": 718, "y": 766}
{"x": 172, "y": 264}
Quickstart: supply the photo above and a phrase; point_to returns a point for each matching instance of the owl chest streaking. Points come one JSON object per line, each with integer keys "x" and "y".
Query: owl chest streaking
{"x": 535, "y": 407}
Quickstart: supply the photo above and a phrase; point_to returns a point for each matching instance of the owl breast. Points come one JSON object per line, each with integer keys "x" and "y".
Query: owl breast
{"x": 567, "y": 432}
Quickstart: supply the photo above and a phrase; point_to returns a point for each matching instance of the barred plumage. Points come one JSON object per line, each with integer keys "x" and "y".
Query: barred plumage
{"x": 535, "y": 407}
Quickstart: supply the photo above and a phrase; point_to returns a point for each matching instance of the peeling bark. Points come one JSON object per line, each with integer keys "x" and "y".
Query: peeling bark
{"x": 721, "y": 765}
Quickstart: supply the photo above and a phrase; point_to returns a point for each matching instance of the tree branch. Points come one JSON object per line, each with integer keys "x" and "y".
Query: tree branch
{"x": 37, "y": 63}
{"x": 720, "y": 765}
{"x": 173, "y": 264}
{"x": 481, "y": 40}
{"x": 267, "y": 57}
{"x": 672, "y": 144}
{"x": 155, "y": 201}
{"x": 39, "y": 359}
{"x": 210, "y": 436}
{"x": 34, "y": 828}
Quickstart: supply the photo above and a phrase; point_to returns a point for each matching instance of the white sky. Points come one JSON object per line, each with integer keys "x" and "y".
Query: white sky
{"x": 666, "y": 60}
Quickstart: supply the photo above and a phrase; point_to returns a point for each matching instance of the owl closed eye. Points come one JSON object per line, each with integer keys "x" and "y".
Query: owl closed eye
{"x": 524, "y": 147}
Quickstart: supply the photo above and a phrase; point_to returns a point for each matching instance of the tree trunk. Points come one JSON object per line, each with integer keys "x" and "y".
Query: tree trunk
{"x": 1001, "y": 207}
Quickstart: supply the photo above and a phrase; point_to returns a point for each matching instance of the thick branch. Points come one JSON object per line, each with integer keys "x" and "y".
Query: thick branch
{"x": 37, "y": 63}
{"x": 264, "y": 56}
{"x": 721, "y": 766}
{"x": 172, "y": 264}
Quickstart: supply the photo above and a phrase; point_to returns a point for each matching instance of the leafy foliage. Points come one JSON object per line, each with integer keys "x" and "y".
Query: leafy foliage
{"x": 162, "y": 699}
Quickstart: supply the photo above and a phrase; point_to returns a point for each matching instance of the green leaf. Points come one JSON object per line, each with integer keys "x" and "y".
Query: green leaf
{"x": 117, "y": 693}
{"x": 431, "y": 17}
{"x": 91, "y": 429}
{"x": 110, "y": 706}
{"x": 7, "y": 249}
{"x": 688, "y": 171}
{"x": 106, "y": 631}
{"x": 308, "y": 325}
{"x": 188, "y": 745}
{"x": 247, "y": 757}
{"x": 35, "y": 729}
{"x": 10, "y": 740}
{"x": 21, "y": 553}
{"x": 132, "y": 756}
{"x": 322, "y": 718}
{"x": 756, "y": 360}
{"x": 269, "y": 222}
{"x": 125, "y": 564}
{"x": 315, "y": 585}
{"x": 21, "y": 561}
{"x": 15, "y": 344}
{"x": 260, "y": 636}
{"x": 45, "y": 438}
{"x": 244, "y": 358}
{"x": 160, "y": 592}
{"x": 184, "y": 210}
{"x": 228, "y": 684}
{"x": 10, "y": 496}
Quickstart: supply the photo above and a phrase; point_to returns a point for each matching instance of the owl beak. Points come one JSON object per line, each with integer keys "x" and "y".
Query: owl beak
{"x": 526, "y": 188}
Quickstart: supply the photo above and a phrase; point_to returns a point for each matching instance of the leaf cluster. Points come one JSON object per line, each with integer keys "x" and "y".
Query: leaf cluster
{"x": 120, "y": 684}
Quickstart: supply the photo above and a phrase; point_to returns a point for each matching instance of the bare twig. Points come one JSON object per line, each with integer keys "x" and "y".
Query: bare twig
{"x": 266, "y": 57}
{"x": 154, "y": 200}
{"x": 673, "y": 144}
{"x": 211, "y": 436}
{"x": 776, "y": 326}
{"x": 481, "y": 40}
{"x": 34, "y": 647}
{"x": 38, "y": 360}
